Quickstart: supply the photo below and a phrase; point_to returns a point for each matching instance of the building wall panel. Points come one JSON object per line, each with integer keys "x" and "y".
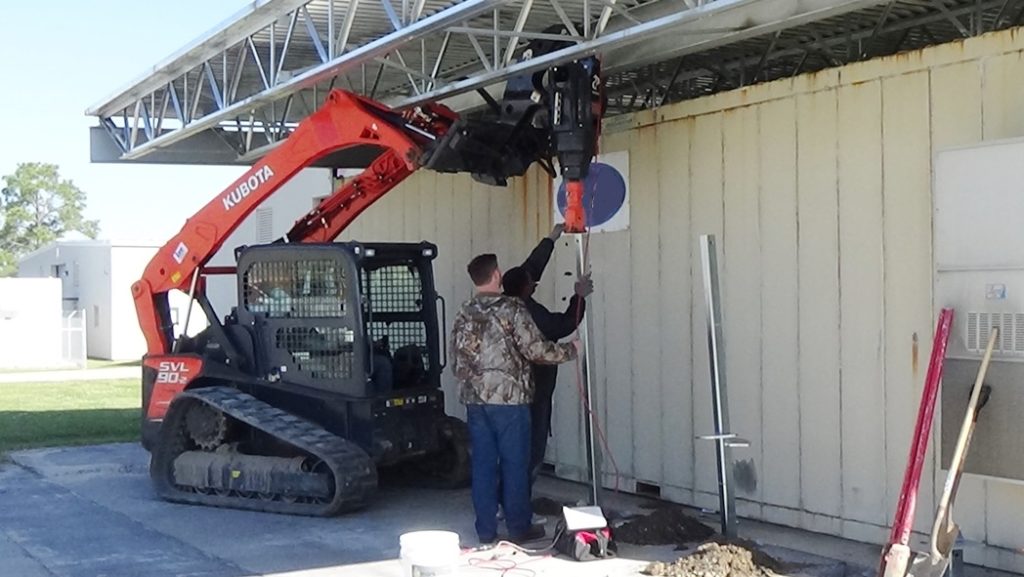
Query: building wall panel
{"x": 1002, "y": 88}
{"x": 780, "y": 301}
{"x": 674, "y": 305}
{"x": 818, "y": 316}
{"x": 908, "y": 274}
{"x": 31, "y": 329}
{"x": 613, "y": 272}
{"x": 124, "y": 266}
{"x": 862, "y": 375}
{"x": 706, "y": 208}
{"x": 818, "y": 189}
{"x": 1002, "y": 93}
{"x": 956, "y": 120}
{"x": 426, "y": 216}
{"x": 646, "y": 266}
{"x": 740, "y": 254}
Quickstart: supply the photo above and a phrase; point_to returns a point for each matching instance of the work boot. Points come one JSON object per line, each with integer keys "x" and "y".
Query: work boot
{"x": 534, "y": 533}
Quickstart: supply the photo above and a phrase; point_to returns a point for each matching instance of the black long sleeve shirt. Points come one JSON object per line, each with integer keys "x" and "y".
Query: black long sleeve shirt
{"x": 554, "y": 325}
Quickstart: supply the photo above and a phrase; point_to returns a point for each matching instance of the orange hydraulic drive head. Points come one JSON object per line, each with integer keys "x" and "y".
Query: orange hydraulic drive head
{"x": 575, "y": 215}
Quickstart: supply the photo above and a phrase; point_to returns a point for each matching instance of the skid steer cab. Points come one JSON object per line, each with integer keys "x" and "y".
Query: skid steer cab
{"x": 327, "y": 370}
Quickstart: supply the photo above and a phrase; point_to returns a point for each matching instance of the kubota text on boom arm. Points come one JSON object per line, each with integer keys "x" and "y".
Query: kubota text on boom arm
{"x": 346, "y": 120}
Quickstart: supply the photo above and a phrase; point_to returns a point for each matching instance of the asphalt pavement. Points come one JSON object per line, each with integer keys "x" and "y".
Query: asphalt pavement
{"x": 90, "y": 512}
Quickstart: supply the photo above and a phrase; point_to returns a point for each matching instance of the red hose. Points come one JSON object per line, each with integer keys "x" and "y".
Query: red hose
{"x": 904, "y": 521}
{"x": 584, "y": 398}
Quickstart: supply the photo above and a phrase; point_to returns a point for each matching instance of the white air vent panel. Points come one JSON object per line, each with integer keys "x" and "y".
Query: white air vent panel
{"x": 264, "y": 225}
{"x": 1011, "y": 332}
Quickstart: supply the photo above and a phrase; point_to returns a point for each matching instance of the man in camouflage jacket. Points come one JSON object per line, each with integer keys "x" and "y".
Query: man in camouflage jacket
{"x": 494, "y": 340}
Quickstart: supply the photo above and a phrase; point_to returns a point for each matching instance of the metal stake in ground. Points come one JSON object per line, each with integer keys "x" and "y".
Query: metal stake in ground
{"x": 593, "y": 456}
{"x": 716, "y": 351}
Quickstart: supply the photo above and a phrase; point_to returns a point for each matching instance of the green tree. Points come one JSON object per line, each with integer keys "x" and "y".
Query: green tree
{"x": 37, "y": 207}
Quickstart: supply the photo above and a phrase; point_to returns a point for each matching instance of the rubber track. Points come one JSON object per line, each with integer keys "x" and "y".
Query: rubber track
{"x": 355, "y": 476}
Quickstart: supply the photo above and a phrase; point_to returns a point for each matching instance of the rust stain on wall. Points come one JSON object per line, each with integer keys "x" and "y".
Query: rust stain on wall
{"x": 914, "y": 355}
{"x": 522, "y": 190}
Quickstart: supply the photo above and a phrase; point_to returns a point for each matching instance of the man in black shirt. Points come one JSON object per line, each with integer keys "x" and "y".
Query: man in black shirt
{"x": 521, "y": 282}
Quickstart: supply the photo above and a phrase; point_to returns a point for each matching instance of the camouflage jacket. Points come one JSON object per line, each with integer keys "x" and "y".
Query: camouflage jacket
{"x": 494, "y": 340}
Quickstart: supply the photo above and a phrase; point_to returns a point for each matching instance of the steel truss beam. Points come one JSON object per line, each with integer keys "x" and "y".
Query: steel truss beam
{"x": 888, "y": 34}
{"x": 192, "y": 70}
{"x": 251, "y": 80}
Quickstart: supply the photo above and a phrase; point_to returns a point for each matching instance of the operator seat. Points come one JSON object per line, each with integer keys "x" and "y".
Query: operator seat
{"x": 409, "y": 367}
{"x": 382, "y": 374}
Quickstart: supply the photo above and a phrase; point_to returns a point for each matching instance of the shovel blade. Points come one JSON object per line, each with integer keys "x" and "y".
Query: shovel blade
{"x": 925, "y": 565}
{"x": 894, "y": 562}
{"x": 944, "y": 538}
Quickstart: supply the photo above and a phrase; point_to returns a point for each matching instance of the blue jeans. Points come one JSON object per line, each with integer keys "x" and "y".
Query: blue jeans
{"x": 500, "y": 437}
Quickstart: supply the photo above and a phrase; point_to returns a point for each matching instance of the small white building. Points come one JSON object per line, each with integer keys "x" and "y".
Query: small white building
{"x": 97, "y": 275}
{"x": 96, "y": 278}
{"x": 32, "y": 333}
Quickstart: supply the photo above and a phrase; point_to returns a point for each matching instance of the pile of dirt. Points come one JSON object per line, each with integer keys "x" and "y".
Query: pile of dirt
{"x": 720, "y": 559}
{"x": 667, "y": 526}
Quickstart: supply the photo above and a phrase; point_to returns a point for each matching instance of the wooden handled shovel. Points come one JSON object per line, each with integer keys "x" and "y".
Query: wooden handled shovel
{"x": 945, "y": 530}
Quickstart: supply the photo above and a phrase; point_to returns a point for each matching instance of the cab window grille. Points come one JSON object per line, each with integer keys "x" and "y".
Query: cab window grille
{"x": 320, "y": 352}
{"x": 295, "y": 289}
{"x": 394, "y": 289}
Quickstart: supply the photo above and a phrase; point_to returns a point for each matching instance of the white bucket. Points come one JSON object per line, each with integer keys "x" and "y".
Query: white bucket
{"x": 429, "y": 553}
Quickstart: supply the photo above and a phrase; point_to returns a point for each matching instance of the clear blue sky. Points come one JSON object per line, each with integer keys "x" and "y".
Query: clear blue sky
{"x": 56, "y": 59}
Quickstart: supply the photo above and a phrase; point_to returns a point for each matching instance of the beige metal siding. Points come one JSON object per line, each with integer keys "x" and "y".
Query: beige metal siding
{"x": 862, "y": 372}
{"x": 780, "y": 301}
{"x": 706, "y": 166}
{"x": 819, "y": 191}
{"x": 908, "y": 271}
{"x": 1002, "y": 96}
{"x": 645, "y": 258}
{"x": 818, "y": 318}
{"x": 956, "y": 99}
{"x": 741, "y": 304}
{"x": 674, "y": 305}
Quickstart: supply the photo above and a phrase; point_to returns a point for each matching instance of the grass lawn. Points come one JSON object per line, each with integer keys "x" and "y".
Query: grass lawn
{"x": 68, "y": 413}
{"x": 89, "y": 364}
{"x": 103, "y": 364}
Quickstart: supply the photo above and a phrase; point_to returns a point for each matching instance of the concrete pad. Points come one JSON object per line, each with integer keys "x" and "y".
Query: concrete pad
{"x": 16, "y": 561}
{"x": 90, "y": 511}
{"x": 73, "y": 536}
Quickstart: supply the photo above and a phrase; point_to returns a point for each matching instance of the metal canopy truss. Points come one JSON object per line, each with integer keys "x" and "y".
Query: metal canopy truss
{"x": 243, "y": 87}
{"x": 887, "y": 28}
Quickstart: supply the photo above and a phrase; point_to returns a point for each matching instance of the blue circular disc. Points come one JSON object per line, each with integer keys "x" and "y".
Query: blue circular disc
{"x": 604, "y": 193}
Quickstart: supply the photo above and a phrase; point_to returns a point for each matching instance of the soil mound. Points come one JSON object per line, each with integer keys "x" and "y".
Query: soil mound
{"x": 667, "y": 526}
{"x": 734, "y": 559}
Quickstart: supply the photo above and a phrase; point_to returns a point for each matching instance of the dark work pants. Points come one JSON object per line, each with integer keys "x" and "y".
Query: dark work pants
{"x": 544, "y": 377}
{"x": 500, "y": 437}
